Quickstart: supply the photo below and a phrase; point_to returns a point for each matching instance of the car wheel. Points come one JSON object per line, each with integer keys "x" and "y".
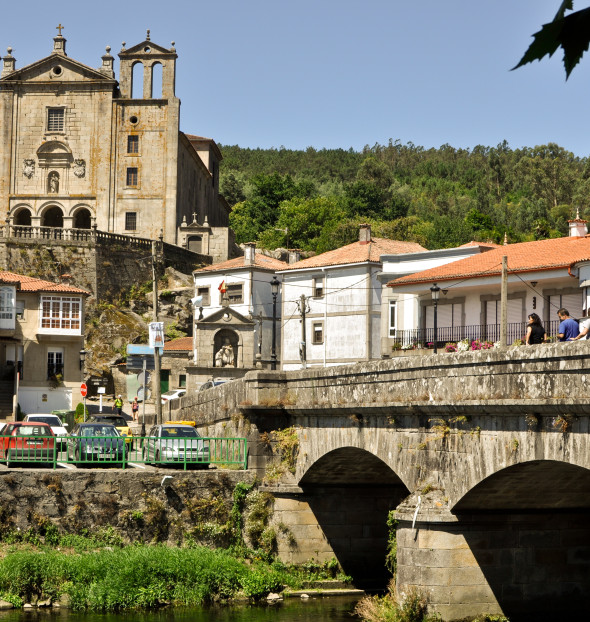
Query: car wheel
{"x": 157, "y": 456}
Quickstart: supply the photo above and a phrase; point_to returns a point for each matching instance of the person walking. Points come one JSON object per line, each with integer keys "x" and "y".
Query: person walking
{"x": 535, "y": 333}
{"x": 568, "y": 328}
{"x": 119, "y": 404}
{"x": 135, "y": 409}
{"x": 584, "y": 328}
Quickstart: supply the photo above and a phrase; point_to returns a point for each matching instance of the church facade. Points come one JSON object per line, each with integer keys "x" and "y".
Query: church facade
{"x": 80, "y": 149}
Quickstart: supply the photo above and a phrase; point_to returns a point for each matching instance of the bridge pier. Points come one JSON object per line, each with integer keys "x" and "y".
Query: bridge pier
{"x": 524, "y": 565}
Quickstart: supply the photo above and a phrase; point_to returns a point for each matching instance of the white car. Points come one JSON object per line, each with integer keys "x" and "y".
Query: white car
{"x": 56, "y": 425}
{"x": 173, "y": 395}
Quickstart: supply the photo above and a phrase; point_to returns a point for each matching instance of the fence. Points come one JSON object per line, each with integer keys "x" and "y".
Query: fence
{"x": 121, "y": 451}
{"x": 424, "y": 337}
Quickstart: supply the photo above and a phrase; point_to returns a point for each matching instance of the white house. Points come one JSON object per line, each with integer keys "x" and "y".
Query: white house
{"x": 400, "y": 312}
{"x": 543, "y": 276}
{"x": 340, "y": 295}
{"x": 234, "y": 302}
{"x": 41, "y": 335}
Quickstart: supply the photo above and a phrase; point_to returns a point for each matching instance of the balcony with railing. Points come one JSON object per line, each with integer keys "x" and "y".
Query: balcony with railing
{"x": 424, "y": 337}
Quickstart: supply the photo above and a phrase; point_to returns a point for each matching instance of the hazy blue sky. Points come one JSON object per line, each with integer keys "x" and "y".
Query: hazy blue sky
{"x": 336, "y": 73}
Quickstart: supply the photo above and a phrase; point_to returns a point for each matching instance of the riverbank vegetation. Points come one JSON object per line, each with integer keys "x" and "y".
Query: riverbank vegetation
{"x": 91, "y": 575}
{"x": 315, "y": 199}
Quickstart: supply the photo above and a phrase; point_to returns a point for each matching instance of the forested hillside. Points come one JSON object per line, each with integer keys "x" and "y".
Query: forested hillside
{"x": 314, "y": 200}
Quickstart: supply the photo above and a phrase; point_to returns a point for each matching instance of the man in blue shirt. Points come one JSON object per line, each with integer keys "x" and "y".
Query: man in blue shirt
{"x": 568, "y": 329}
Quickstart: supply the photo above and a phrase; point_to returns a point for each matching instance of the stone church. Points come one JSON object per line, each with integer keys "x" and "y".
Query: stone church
{"x": 80, "y": 149}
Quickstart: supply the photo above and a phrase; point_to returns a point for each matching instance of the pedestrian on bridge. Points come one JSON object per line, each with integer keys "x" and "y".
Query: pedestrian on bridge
{"x": 535, "y": 333}
{"x": 568, "y": 329}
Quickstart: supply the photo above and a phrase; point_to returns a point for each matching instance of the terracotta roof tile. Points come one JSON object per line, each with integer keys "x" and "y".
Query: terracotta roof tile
{"x": 180, "y": 344}
{"x": 358, "y": 252}
{"x": 523, "y": 257}
{"x": 261, "y": 261}
{"x": 30, "y": 284}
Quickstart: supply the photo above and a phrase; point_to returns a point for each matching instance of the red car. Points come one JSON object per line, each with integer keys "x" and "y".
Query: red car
{"x": 26, "y": 441}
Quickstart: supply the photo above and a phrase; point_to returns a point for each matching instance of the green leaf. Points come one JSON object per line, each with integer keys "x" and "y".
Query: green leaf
{"x": 571, "y": 33}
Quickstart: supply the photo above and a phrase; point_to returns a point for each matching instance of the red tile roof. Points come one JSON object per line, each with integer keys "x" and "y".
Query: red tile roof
{"x": 181, "y": 344}
{"x": 480, "y": 244}
{"x": 358, "y": 252}
{"x": 523, "y": 257}
{"x": 261, "y": 261}
{"x": 30, "y": 284}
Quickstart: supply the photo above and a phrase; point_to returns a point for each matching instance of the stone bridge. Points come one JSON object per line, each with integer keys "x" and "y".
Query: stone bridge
{"x": 485, "y": 457}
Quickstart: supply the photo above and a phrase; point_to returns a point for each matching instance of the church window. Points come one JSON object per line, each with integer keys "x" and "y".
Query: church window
{"x": 131, "y": 221}
{"x": 55, "y": 119}
{"x": 133, "y": 144}
{"x": 132, "y": 176}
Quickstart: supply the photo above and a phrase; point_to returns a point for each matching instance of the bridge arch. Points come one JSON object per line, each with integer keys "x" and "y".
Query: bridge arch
{"x": 351, "y": 491}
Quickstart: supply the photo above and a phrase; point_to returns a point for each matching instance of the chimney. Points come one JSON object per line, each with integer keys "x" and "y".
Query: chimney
{"x": 578, "y": 226}
{"x": 365, "y": 234}
{"x": 250, "y": 254}
{"x": 9, "y": 63}
{"x": 59, "y": 44}
{"x": 294, "y": 255}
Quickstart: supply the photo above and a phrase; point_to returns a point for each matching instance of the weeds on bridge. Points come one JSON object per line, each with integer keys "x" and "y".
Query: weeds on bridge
{"x": 563, "y": 423}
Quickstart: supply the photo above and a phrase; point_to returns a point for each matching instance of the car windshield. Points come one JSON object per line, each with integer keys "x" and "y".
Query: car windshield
{"x": 32, "y": 430}
{"x": 99, "y": 430}
{"x": 113, "y": 421}
{"x": 49, "y": 419}
{"x": 179, "y": 432}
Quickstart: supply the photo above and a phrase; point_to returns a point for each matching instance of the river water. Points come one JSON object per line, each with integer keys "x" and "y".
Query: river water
{"x": 334, "y": 609}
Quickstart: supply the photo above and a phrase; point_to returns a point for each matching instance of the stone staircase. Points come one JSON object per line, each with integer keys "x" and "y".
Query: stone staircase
{"x": 6, "y": 388}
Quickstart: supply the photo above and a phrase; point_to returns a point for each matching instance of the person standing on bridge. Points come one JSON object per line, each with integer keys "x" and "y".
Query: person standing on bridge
{"x": 119, "y": 404}
{"x": 568, "y": 328}
{"x": 535, "y": 333}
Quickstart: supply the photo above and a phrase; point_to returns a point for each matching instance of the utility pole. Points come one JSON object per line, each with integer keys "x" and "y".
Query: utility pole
{"x": 156, "y": 381}
{"x": 504, "y": 303}
{"x": 303, "y": 307}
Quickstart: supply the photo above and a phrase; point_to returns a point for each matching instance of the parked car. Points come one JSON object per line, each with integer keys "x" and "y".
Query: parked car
{"x": 96, "y": 443}
{"x": 58, "y": 428}
{"x": 214, "y": 382}
{"x": 119, "y": 422}
{"x": 173, "y": 443}
{"x": 27, "y": 442}
{"x": 173, "y": 395}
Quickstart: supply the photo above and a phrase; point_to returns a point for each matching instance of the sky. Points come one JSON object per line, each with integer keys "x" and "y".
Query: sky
{"x": 336, "y": 73}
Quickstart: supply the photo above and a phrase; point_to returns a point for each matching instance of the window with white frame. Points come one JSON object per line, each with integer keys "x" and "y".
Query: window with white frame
{"x": 318, "y": 287}
{"x": 61, "y": 313}
{"x": 317, "y": 332}
{"x": 392, "y": 318}
{"x": 55, "y": 119}
{"x": 7, "y": 303}
{"x": 55, "y": 363}
{"x": 235, "y": 293}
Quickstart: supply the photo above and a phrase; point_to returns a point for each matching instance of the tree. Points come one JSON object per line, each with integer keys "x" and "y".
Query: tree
{"x": 570, "y": 32}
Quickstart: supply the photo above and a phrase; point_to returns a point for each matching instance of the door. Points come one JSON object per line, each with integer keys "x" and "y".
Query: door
{"x": 164, "y": 380}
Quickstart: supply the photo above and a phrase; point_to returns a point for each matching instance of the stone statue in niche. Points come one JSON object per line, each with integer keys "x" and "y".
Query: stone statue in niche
{"x": 53, "y": 182}
{"x": 28, "y": 168}
{"x": 79, "y": 168}
{"x": 225, "y": 355}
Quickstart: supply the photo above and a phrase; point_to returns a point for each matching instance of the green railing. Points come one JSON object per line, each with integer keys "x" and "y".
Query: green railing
{"x": 100, "y": 451}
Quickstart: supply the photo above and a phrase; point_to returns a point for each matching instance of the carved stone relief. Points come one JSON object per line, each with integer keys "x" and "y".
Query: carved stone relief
{"x": 28, "y": 167}
{"x": 79, "y": 168}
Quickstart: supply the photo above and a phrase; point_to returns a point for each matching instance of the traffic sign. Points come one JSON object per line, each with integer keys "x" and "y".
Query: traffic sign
{"x": 83, "y": 389}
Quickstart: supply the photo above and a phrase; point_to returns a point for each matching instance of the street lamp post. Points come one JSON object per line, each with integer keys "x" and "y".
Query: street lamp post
{"x": 82, "y": 361}
{"x": 435, "y": 291}
{"x": 275, "y": 286}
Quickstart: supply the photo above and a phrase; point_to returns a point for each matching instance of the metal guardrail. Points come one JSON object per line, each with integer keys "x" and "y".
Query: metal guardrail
{"x": 114, "y": 451}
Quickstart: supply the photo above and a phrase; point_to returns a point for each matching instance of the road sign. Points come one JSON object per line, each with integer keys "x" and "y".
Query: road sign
{"x": 83, "y": 389}
{"x": 136, "y": 362}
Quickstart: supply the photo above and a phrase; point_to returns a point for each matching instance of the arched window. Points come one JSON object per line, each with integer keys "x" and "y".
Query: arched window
{"x": 137, "y": 81}
{"x": 52, "y": 217}
{"x": 82, "y": 219}
{"x": 157, "y": 81}
{"x": 23, "y": 217}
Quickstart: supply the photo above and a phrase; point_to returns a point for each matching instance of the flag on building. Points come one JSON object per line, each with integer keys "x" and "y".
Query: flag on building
{"x": 222, "y": 288}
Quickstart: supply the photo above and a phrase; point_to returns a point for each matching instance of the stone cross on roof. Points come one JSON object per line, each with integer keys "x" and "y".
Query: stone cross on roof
{"x": 60, "y": 27}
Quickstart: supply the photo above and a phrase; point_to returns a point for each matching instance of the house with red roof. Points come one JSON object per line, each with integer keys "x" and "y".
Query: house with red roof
{"x": 543, "y": 276}
{"x": 331, "y": 305}
{"x": 41, "y": 336}
{"x": 234, "y": 316}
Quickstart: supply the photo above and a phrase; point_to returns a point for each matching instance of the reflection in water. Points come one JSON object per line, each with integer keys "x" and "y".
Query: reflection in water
{"x": 334, "y": 609}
